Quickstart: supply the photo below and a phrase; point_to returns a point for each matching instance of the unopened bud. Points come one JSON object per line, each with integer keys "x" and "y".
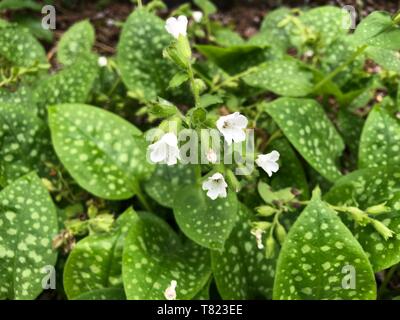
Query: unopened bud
{"x": 48, "y": 185}
{"x": 280, "y": 233}
{"x": 378, "y": 209}
{"x": 102, "y": 222}
{"x": 358, "y": 215}
{"x": 270, "y": 247}
{"x": 265, "y": 211}
{"x": 384, "y": 231}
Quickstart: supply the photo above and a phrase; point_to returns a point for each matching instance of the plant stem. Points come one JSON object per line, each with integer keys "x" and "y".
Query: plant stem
{"x": 140, "y": 4}
{"x": 340, "y": 68}
{"x": 142, "y": 199}
{"x": 195, "y": 90}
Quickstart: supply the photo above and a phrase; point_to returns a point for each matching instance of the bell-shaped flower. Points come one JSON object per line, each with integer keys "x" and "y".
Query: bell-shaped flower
{"x": 197, "y": 16}
{"x": 268, "y": 162}
{"x": 258, "y": 234}
{"x": 215, "y": 186}
{"x": 165, "y": 150}
{"x": 233, "y": 127}
{"x": 176, "y": 26}
{"x": 170, "y": 292}
{"x": 102, "y": 61}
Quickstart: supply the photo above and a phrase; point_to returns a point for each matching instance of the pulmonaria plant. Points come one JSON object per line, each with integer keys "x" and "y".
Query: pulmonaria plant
{"x": 270, "y": 175}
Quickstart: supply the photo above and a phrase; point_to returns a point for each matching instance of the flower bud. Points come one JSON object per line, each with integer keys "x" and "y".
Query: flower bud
{"x": 378, "y": 209}
{"x": 384, "y": 231}
{"x": 48, "y": 185}
{"x": 270, "y": 247}
{"x": 280, "y": 233}
{"x": 358, "y": 215}
{"x": 232, "y": 180}
{"x": 102, "y": 222}
{"x": 265, "y": 211}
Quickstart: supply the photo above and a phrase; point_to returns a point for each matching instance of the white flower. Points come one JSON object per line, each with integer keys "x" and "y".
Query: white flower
{"x": 232, "y": 127}
{"x": 170, "y": 293}
{"x": 165, "y": 150}
{"x": 258, "y": 234}
{"x": 215, "y": 186}
{"x": 197, "y": 16}
{"x": 212, "y": 156}
{"x": 176, "y": 26}
{"x": 269, "y": 162}
{"x": 102, "y": 61}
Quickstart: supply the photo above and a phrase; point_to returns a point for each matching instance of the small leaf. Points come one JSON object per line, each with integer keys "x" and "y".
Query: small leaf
{"x": 154, "y": 255}
{"x": 380, "y": 140}
{"x": 209, "y": 100}
{"x": 70, "y": 85}
{"x": 316, "y": 251}
{"x": 178, "y": 79}
{"x": 19, "y": 4}
{"x": 167, "y": 180}
{"x": 76, "y": 40}
{"x": 205, "y": 221}
{"x": 378, "y": 30}
{"x": 95, "y": 262}
{"x": 307, "y": 127}
{"x": 103, "y": 152}
{"x": 284, "y": 77}
{"x": 365, "y": 188}
{"x": 143, "y": 69}
{"x": 241, "y": 270}
{"x": 28, "y": 223}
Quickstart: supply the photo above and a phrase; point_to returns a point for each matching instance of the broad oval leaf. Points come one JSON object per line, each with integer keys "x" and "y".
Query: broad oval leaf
{"x": 103, "y": 294}
{"x": 28, "y": 223}
{"x": 143, "y": 69}
{"x": 154, "y": 255}
{"x": 305, "y": 124}
{"x": 205, "y": 221}
{"x": 365, "y": 188}
{"x": 380, "y": 140}
{"x": 167, "y": 180}
{"x": 76, "y": 40}
{"x": 316, "y": 256}
{"x": 284, "y": 77}
{"x": 241, "y": 270}
{"x": 95, "y": 262}
{"x": 104, "y": 153}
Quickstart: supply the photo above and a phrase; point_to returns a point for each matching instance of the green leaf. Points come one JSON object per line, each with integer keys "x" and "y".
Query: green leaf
{"x": 77, "y": 40}
{"x": 178, "y": 79}
{"x": 378, "y": 30}
{"x": 24, "y": 139}
{"x": 206, "y": 6}
{"x": 166, "y": 180}
{"x": 235, "y": 58}
{"x": 103, "y": 294}
{"x": 104, "y": 153}
{"x": 271, "y": 32}
{"x": 22, "y": 97}
{"x": 388, "y": 59}
{"x": 350, "y": 126}
{"x": 142, "y": 67}
{"x": 309, "y": 130}
{"x": 70, "y": 85}
{"x": 365, "y": 188}
{"x": 326, "y": 22}
{"x": 95, "y": 262}
{"x": 34, "y": 26}
{"x": 241, "y": 270}
{"x": 154, "y": 255}
{"x": 380, "y": 140}
{"x": 19, "y": 4}
{"x": 314, "y": 257}
{"x": 291, "y": 171}
{"x": 205, "y": 221}
{"x": 284, "y": 77}
{"x": 20, "y": 48}
{"x": 209, "y": 100}
{"x": 227, "y": 38}
{"x": 28, "y": 223}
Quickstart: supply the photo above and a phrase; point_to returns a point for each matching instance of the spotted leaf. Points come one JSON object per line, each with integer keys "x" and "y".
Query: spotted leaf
{"x": 167, "y": 180}
{"x": 241, "y": 270}
{"x": 24, "y": 139}
{"x": 20, "y": 48}
{"x": 103, "y": 152}
{"x": 143, "y": 69}
{"x": 76, "y": 40}
{"x": 365, "y": 188}
{"x": 154, "y": 255}
{"x": 94, "y": 265}
{"x": 305, "y": 124}
{"x": 284, "y": 77}
{"x": 317, "y": 255}
{"x": 380, "y": 140}
{"x": 388, "y": 59}
{"x": 207, "y": 222}
{"x": 70, "y": 85}
{"x": 22, "y": 97}
{"x": 28, "y": 223}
